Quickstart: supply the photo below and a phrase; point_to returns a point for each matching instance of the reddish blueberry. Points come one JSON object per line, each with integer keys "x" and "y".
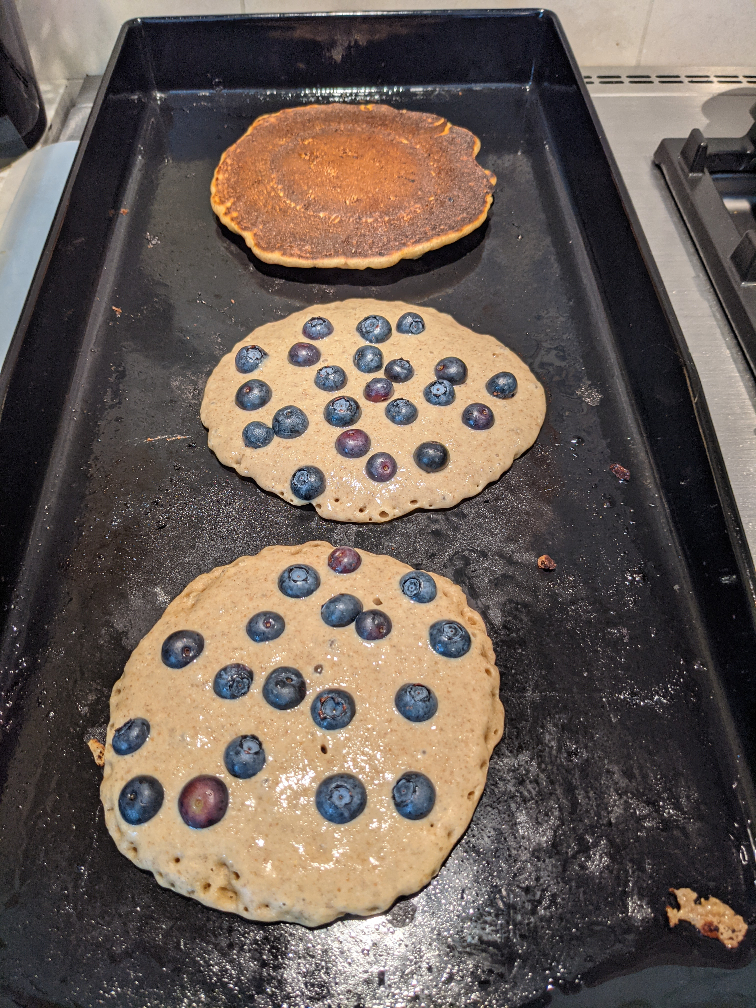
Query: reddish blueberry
{"x": 478, "y": 416}
{"x": 203, "y": 802}
{"x": 303, "y": 355}
{"x": 378, "y": 390}
{"x": 372, "y": 624}
{"x": 344, "y": 560}
{"x": 353, "y": 443}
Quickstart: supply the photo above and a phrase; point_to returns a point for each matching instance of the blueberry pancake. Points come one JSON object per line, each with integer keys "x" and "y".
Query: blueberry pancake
{"x": 370, "y": 409}
{"x": 351, "y": 186}
{"x": 303, "y": 734}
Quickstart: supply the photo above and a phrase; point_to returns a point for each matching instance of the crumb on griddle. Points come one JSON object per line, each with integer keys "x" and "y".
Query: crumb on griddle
{"x": 546, "y": 563}
{"x": 712, "y": 917}
{"x": 620, "y": 472}
{"x": 98, "y": 751}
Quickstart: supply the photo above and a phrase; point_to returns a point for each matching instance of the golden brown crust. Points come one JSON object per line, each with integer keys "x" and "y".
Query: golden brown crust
{"x": 351, "y": 186}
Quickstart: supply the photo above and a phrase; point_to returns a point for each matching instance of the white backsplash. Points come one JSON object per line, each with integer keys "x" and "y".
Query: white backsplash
{"x": 72, "y": 38}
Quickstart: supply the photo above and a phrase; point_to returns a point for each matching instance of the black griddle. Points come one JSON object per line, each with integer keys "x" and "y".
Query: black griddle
{"x": 627, "y": 673}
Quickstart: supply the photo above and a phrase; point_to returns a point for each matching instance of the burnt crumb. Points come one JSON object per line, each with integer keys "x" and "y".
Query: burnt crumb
{"x": 620, "y": 472}
{"x": 124, "y": 211}
{"x": 318, "y": 670}
{"x": 546, "y": 563}
{"x": 98, "y": 751}
{"x": 712, "y": 917}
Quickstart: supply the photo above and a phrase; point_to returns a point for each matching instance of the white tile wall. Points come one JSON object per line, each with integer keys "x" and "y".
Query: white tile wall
{"x": 72, "y": 38}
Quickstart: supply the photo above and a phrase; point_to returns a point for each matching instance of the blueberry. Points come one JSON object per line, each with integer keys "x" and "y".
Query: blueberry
{"x": 368, "y": 359}
{"x": 317, "y": 328}
{"x": 372, "y": 624}
{"x": 416, "y": 702}
{"x": 439, "y": 393}
{"x": 344, "y": 560}
{"x": 399, "y": 370}
{"x": 341, "y": 610}
{"x": 298, "y": 581}
{"x": 330, "y": 378}
{"x": 303, "y": 355}
{"x": 401, "y": 412}
{"x": 418, "y": 586}
{"x": 307, "y": 482}
{"x": 181, "y": 647}
{"x": 452, "y": 369}
{"x": 265, "y": 626}
{"x": 478, "y": 416}
{"x": 249, "y": 358}
{"x": 502, "y": 386}
{"x": 203, "y": 802}
{"x": 431, "y": 456}
{"x": 332, "y": 709}
{"x": 352, "y": 443}
{"x": 257, "y": 435}
{"x": 340, "y": 798}
{"x": 414, "y": 795}
{"x": 140, "y": 799}
{"x": 244, "y": 756}
{"x": 232, "y": 681}
{"x": 253, "y": 394}
{"x": 374, "y": 329}
{"x": 449, "y": 638}
{"x": 381, "y": 467}
{"x": 290, "y": 422}
{"x": 284, "y": 688}
{"x": 410, "y": 324}
{"x": 130, "y": 736}
{"x": 342, "y": 411}
{"x": 378, "y": 390}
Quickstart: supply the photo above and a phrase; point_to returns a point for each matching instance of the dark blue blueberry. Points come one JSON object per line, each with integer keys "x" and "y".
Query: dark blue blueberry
{"x": 414, "y": 795}
{"x": 431, "y": 456}
{"x": 298, "y": 581}
{"x": 340, "y": 798}
{"x": 341, "y": 610}
{"x": 284, "y": 688}
{"x": 140, "y": 800}
{"x": 378, "y": 390}
{"x": 332, "y": 709}
{"x": 352, "y": 443}
{"x": 253, "y": 395}
{"x": 181, "y": 647}
{"x": 449, "y": 638}
{"x": 381, "y": 467}
{"x": 416, "y": 702}
{"x": 303, "y": 355}
{"x": 249, "y": 358}
{"x": 439, "y": 392}
{"x": 203, "y": 802}
{"x": 131, "y": 736}
{"x": 265, "y": 626}
{"x": 368, "y": 359}
{"x": 290, "y": 422}
{"x": 257, "y": 435}
{"x": 244, "y": 756}
{"x": 232, "y": 681}
{"x": 478, "y": 416}
{"x": 344, "y": 560}
{"x": 308, "y": 482}
{"x": 342, "y": 411}
{"x": 317, "y": 328}
{"x": 399, "y": 370}
{"x": 502, "y": 386}
{"x": 452, "y": 369}
{"x": 374, "y": 329}
{"x": 372, "y": 625}
{"x": 418, "y": 586}
{"x": 401, "y": 412}
{"x": 330, "y": 378}
{"x": 410, "y": 324}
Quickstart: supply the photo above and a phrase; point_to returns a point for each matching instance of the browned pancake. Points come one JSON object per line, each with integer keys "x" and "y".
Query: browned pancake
{"x": 352, "y": 186}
